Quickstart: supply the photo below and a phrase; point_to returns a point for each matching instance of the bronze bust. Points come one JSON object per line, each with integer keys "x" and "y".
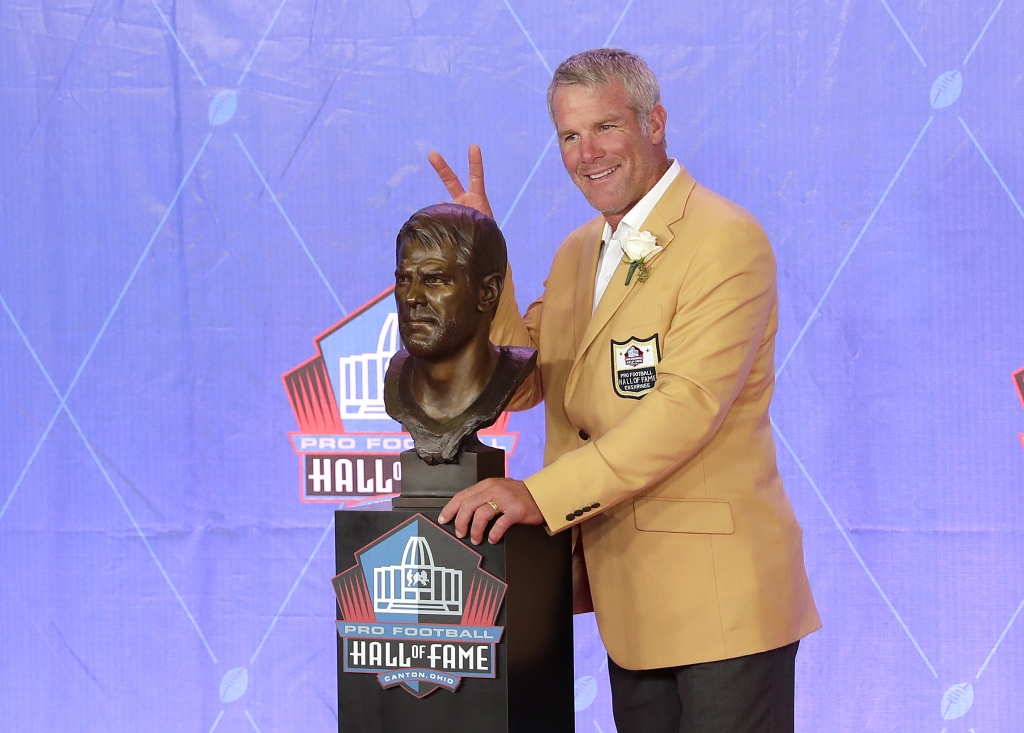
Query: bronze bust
{"x": 450, "y": 381}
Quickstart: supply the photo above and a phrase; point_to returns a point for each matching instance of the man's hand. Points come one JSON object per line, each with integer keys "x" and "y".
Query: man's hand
{"x": 476, "y": 196}
{"x": 473, "y": 508}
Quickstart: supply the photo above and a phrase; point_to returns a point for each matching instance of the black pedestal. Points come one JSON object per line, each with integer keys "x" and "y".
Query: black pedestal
{"x": 453, "y": 589}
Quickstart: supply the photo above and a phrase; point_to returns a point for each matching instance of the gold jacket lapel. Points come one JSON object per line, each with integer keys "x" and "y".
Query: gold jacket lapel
{"x": 668, "y": 211}
{"x": 586, "y": 274}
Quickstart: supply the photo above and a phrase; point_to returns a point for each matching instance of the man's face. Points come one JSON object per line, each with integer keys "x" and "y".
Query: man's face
{"x": 437, "y": 304}
{"x": 603, "y": 148}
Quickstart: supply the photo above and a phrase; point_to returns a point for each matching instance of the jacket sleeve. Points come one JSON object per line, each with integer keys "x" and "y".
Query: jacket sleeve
{"x": 509, "y": 328}
{"x": 722, "y": 311}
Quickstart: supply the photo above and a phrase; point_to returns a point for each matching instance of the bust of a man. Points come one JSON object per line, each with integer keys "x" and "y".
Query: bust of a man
{"x": 450, "y": 381}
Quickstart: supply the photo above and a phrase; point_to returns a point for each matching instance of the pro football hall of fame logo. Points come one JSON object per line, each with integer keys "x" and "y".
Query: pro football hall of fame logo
{"x": 417, "y": 611}
{"x": 347, "y": 445}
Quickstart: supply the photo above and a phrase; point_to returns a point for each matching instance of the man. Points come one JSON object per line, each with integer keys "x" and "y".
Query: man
{"x": 450, "y": 381}
{"x": 656, "y": 333}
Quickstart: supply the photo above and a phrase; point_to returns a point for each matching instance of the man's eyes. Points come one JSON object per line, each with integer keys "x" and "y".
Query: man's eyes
{"x": 574, "y": 136}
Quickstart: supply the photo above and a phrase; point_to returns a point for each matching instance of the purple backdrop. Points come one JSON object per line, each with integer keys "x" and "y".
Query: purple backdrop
{"x": 192, "y": 191}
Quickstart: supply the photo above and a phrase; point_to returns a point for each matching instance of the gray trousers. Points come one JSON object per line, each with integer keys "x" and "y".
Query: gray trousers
{"x": 752, "y": 694}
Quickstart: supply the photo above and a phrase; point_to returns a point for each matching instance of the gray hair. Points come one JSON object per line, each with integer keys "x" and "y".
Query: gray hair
{"x": 601, "y": 66}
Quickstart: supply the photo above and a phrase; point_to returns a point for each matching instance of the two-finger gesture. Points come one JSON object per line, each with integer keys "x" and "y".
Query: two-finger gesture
{"x": 476, "y": 196}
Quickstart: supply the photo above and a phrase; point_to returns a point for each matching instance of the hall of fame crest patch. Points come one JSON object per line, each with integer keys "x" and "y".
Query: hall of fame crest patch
{"x": 635, "y": 366}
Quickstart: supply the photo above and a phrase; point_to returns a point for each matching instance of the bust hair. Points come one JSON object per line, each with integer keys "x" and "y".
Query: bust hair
{"x": 600, "y": 66}
{"x": 476, "y": 239}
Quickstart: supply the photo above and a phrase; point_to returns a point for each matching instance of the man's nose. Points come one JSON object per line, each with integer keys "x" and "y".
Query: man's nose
{"x": 589, "y": 149}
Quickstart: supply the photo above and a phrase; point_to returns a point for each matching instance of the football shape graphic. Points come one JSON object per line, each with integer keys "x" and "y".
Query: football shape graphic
{"x": 957, "y": 701}
{"x": 946, "y": 89}
{"x": 586, "y": 691}
{"x": 223, "y": 107}
{"x": 234, "y": 684}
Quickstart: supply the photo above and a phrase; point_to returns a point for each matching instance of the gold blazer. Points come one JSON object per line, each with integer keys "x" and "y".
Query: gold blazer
{"x": 691, "y": 545}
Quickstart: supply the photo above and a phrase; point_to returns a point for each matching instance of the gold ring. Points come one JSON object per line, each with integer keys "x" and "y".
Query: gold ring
{"x": 494, "y": 506}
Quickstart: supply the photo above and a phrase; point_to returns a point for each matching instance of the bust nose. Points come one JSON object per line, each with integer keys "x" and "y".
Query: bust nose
{"x": 414, "y": 294}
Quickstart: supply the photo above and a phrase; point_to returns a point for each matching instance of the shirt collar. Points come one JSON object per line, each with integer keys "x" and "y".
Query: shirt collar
{"x": 636, "y": 216}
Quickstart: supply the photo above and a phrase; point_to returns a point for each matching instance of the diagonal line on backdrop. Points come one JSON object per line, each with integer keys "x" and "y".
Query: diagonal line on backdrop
{"x": 900, "y": 26}
{"x": 103, "y": 470}
{"x": 252, "y": 722}
{"x": 135, "y": 270}
{"x": 85, "y": 40}
{"x": 107, "y": 476}
{"x": 522, "y": 189}
{"x": 992, "y": 167}
{"x": 615, "y": 28}
{"x": 259, "y": 46}
{"x": 291, "y": 226}
{"x": 217, "y": 721}
{"x": 853, "y": 247}
{"x": 982, "y": 34}
{"x": 142, "y": 535}
{"x": 39, "y": 444}
{"x": 544, "y": 152}
{"x": 529, "y": 38}
{"x": 853, "y": 549}
{"x": 291, "y": 592}
{"x": 1000, "y": 639}
{"x": 103, "y": 328}
{"x": 177, "y": 40}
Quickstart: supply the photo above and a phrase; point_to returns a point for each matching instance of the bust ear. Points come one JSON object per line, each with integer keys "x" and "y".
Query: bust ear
{"x": 490, "y": 292}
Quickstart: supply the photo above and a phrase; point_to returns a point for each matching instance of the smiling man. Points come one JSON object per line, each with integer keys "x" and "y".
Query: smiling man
{"x": 656, "y": 337}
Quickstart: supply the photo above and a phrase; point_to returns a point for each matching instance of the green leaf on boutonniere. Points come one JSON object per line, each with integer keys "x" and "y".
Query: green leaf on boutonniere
{"x": 632, "y": 268}
{"x": 641, "y": 270}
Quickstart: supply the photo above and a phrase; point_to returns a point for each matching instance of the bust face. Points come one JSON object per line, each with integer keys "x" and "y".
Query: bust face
{"x": 437, "y": 304}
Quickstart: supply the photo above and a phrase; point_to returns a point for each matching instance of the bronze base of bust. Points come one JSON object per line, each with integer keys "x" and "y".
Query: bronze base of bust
{"x": 426, "y": 486}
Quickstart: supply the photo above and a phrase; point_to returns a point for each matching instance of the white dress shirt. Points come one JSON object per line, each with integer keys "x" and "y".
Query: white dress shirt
{"x": 611, "y": 242}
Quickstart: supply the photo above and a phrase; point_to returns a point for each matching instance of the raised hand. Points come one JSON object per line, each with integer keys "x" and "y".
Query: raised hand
{"x": 476, "y": 196}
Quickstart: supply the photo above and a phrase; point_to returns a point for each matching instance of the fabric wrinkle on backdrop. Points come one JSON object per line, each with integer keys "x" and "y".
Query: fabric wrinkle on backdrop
{"x": 191, "y": 192}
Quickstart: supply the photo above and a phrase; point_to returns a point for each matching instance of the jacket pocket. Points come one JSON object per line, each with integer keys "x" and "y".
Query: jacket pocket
{"x": 686, "y": 516}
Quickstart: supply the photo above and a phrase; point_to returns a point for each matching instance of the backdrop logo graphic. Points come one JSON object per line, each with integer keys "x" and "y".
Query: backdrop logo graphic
{"x": 429, "y": 619}
{"x": 1018, "y": 380}
{"x": 347, "y": 445}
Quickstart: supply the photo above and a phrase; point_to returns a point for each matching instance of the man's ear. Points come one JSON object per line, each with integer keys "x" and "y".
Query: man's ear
{"x": 656, "y": 122}
{"x": 490, "y": 291}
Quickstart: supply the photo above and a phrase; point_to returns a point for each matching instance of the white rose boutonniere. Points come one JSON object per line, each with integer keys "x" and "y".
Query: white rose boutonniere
{"x": 639, "y": 248}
